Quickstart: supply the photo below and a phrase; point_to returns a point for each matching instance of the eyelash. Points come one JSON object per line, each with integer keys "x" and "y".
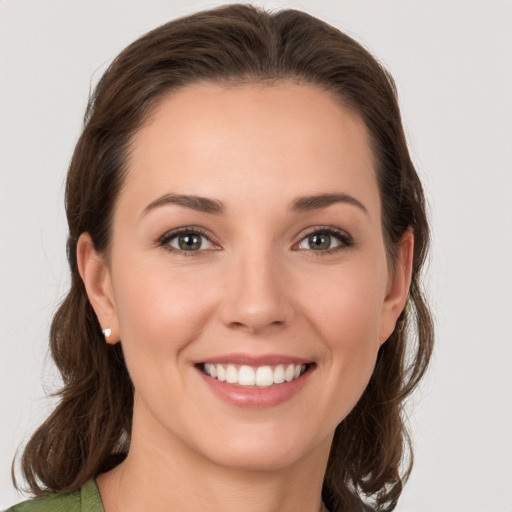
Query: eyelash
{"x": 346, "y": 241}
{"x": 164, "y": 240}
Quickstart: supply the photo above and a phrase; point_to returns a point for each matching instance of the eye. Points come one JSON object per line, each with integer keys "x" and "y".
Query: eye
{"x": 187, "y": 240}
{"x": 325, "y": 240}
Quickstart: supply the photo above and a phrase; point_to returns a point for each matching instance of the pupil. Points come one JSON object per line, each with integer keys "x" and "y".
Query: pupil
{"x": 189, "y": 242}
{"x": 320, "y": 241}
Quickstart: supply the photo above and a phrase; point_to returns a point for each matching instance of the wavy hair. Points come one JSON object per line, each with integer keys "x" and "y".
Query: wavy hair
{"x": 88, "y": 432}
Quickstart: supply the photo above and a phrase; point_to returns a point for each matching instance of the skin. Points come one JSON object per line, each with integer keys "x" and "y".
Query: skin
{"x": 256, "y": 287}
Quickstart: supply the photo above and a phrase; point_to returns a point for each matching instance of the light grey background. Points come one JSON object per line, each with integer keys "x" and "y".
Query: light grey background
{"x": 452, "y": 63}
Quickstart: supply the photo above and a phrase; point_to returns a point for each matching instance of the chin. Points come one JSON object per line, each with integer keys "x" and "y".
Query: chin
{"x": 264, "y": 450}
{"x": 257, "y": 459}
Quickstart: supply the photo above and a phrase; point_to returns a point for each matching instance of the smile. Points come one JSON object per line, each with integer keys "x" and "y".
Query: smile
{"x": 254, "y": 376}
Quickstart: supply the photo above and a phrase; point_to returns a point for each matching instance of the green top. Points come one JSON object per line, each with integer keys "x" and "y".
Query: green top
{"x": 86, "y": 499}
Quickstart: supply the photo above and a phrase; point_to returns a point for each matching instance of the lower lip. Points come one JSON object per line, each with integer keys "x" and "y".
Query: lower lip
{"x": 256, "y": 398}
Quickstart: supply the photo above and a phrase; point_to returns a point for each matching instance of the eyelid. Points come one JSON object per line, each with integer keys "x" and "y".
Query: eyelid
{"x": 164, "y": 240}
{"x": 343, "y": 236}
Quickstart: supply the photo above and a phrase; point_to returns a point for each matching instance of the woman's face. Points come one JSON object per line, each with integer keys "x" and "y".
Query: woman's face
{"x": 247, "y": 244}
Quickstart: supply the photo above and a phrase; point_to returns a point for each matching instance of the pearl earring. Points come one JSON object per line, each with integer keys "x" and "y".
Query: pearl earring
{"x": 107, "y": 332}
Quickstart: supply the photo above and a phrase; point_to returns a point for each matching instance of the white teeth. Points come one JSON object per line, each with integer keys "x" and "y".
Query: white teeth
{"x": 279, "y": 374}
{"x": 209, "y": 369}
{"x": 289, "y": 373}
{"x": 231, "y": 374}
{"x": 261, "y": 376}
{"x": 246, "y": 376}
{"x": 221, "y": 373}
{"x": 264, "y": 376}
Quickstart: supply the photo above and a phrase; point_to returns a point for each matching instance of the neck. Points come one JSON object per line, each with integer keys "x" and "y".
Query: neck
{"x": 157, "y": 475}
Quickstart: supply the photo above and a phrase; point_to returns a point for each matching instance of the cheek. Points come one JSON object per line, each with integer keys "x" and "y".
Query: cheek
{"x": 346, "y": 316}
{"x": 347, "y": 306}
{"x": 160, "y": 311}
{"x": 351, "y": 336}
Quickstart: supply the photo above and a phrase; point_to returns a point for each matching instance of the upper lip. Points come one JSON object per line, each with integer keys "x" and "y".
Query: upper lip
{"x": 255, "y": 360}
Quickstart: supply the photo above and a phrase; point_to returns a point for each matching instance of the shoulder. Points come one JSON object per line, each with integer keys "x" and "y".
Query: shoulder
{"x": 66, "y": 502}
{"x": 86, "y": 499}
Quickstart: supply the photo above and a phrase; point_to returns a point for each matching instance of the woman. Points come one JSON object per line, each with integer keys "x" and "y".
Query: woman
{"x": 245, "y": 230}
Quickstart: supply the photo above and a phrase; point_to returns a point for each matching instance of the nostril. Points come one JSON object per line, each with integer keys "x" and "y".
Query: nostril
{"x": 256, "y": 326}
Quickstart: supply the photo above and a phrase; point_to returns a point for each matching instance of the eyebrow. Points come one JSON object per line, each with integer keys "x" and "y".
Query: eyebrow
{"x": 200, "y": 204}
{"x": 213, "y": 206}
{"x": 308, "y": 203}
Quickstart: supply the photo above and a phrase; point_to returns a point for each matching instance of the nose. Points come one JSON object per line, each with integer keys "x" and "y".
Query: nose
{"x": 257, "y": 296}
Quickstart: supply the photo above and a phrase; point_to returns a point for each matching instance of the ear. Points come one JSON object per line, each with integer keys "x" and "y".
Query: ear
{"x": 398, "y": 286}
{"x": 96, "y": 277}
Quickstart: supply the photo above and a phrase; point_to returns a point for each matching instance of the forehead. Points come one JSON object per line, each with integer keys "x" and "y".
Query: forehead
{"x": 249, "y": 141}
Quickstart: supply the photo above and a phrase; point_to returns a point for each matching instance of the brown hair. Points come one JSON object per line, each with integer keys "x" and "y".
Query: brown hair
{"x": 88, "y": 432}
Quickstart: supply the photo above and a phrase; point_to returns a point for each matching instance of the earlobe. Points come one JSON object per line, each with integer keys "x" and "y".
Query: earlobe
{"x": 398, "y": 289}
{"x": 96, "y": 277}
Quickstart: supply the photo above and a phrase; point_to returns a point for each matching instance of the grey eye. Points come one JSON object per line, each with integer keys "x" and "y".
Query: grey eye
{"x": 320, "y": 241}
{"x": 188, "y": 241}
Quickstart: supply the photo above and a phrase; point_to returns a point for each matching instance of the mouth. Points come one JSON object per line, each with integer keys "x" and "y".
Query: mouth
{"x": 259, "y": 377}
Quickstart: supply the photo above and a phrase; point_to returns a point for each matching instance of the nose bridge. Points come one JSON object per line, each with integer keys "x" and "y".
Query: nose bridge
{"x": 257, "y": 297}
